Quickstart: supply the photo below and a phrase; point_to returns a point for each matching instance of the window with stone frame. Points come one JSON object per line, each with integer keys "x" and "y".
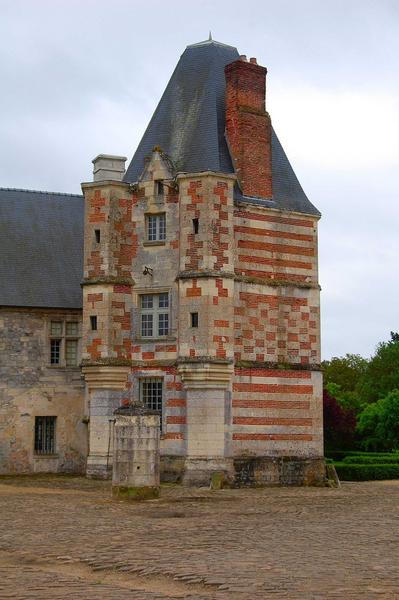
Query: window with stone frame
{"x": 151, "y": 395}
{"x": 154, "y": 315}
{"x": 156, "y": 227}
{"x": 64, "y": 343}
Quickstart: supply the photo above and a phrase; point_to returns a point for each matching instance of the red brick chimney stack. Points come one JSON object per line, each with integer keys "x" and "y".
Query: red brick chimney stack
{"x": 248, "y": 126}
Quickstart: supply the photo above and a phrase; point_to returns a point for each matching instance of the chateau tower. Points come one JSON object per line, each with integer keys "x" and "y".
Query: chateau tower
{"x": 201, "y": 293}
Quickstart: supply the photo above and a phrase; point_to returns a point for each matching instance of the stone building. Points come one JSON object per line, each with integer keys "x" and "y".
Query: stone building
{"x": 200, "y": 294}
{"x": 41, "y": 390}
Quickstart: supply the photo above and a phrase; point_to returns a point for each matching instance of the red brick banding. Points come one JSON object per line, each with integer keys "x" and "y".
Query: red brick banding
{"x": 299, "y": 437}
{"x": 273, "y": 388}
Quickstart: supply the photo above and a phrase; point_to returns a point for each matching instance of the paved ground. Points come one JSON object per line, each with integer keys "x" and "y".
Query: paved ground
{"x": 65, "y": 538}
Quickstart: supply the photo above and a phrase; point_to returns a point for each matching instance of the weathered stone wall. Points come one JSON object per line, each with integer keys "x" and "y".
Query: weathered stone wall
{"x": 30, "y": 387}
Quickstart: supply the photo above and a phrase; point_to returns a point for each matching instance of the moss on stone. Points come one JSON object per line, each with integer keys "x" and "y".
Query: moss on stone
{"x": 131, "y": 493}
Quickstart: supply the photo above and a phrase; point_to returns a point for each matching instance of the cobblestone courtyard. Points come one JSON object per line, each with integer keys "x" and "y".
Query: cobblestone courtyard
{"x": 65, "y": 538}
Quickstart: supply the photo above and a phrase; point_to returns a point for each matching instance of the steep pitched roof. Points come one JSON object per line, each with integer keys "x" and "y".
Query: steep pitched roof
{"x": 41, "y": 249}
{"x": 189, "y": 124}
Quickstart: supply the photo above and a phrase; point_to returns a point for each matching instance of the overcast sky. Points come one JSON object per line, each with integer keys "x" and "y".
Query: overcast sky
{"x": 79, "y": 78}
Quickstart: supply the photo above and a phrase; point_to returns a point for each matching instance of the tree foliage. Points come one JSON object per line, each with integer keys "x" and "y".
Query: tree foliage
{"x": 382, "y": 372}
{"x": 345, "y": 371}
{"x": 367, "y": 390}
{"x": 339, "y": 424}
{"x": 378, "y": 423}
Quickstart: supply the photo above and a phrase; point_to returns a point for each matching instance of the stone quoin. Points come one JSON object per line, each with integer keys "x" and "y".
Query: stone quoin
{"x": 200, "y": 291}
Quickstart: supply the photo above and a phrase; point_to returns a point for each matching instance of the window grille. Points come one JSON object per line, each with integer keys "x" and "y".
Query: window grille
{"x": 156, "y": 228}
{"x": 55, "y": 346}
{"x": 155, "y": 315}
{"x": 45, "y": 435}
{"x": 151, "y": 392}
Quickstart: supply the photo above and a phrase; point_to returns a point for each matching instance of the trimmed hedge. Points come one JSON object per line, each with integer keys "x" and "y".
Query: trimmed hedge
{"x": 341, "y": 454}
{"x": 356, "y": 472}
{"x": 371, "y": 460}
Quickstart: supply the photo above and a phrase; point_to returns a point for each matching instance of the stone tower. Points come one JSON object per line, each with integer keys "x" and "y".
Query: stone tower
{"x": 201, "y": 293}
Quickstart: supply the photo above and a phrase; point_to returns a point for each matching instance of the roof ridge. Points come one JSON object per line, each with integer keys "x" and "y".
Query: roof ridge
{"x": 8, "y": 189}
{"x": 210, "y": 42}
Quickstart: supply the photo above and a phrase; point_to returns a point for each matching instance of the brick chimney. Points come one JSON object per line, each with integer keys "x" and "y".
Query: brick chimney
{"x": 248, "y": 126}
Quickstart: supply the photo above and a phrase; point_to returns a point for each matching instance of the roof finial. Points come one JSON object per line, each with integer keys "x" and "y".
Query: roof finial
{"x": 210, "y": 36}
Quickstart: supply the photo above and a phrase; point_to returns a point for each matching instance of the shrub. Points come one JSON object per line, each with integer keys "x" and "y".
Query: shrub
{"x": 347, "y": 472}
{"x": 371, "y": 459}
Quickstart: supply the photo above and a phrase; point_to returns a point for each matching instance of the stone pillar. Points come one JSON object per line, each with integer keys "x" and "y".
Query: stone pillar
{"x": 135, "y": 473}
{"x": 106, "y": 388}
{"x": 208, "y": 418}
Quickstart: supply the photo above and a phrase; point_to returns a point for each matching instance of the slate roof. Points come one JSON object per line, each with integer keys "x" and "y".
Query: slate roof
{"x": 41, "y": 249}
{"x": 189, "y": 124}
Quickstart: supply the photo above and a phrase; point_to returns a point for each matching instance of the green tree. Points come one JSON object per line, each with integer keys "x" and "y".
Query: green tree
{"x": 378, "y": 423}
{"x": 382, "y": 372}
{"x": 345, "y": 371}
{"x": 341, "y": 378}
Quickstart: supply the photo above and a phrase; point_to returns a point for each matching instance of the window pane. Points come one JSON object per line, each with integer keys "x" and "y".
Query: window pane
{"x": 146, "y": 325}
{"x": 45, "y": 435}
{"x": 152, "y": 228}
{"x": 147, "y": 301}
{"x": 162, "y": 226}
{"x": 71, "y": 353}
{"x": 151, "y": 394}
{"x": 71, "y": 328}
{"x": 163, "y": 324}
{"x": 163, "y": 300}
{"x": 55, "y": 352}
{"x": 56, "y": 327}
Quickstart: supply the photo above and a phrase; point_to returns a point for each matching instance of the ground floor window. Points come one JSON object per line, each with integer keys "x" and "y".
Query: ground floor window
{"x": 151, "y": 394}
{"x": 45, "y": 435}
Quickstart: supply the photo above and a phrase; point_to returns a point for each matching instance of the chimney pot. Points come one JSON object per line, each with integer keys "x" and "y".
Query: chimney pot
{"x": 243, "y": 58}
{"x": 253, "y": 61}
{"x": 108, "y": 167}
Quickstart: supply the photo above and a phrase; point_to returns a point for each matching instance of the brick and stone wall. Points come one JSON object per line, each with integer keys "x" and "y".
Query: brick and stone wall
{"x": 30, "y": 387}
{"x": 246, "y": 381}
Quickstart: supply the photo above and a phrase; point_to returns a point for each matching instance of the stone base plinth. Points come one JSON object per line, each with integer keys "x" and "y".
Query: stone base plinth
{"x": 284, "y": 470}
{"x": 199, "y": 472}
{"x": 135, "y": 494}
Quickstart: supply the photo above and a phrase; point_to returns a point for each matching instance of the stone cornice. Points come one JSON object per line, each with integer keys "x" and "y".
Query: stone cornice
{"x": 273, "y": 366}
{"x": 108, "y": 362}
{"x": 216, "y": 174}
{"x": 105, "y": 183}
{"x": 110, "y": 280}
{"x": 205, "y": 374}
{"x": 205, "y": 274}
{"x": 106, "y": 377}
{"x": 277, "y": 282}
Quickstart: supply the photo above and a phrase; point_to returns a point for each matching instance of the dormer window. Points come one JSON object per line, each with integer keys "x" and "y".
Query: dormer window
{"x": 159, "y": 188}
{"x": 156, "y": 227}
